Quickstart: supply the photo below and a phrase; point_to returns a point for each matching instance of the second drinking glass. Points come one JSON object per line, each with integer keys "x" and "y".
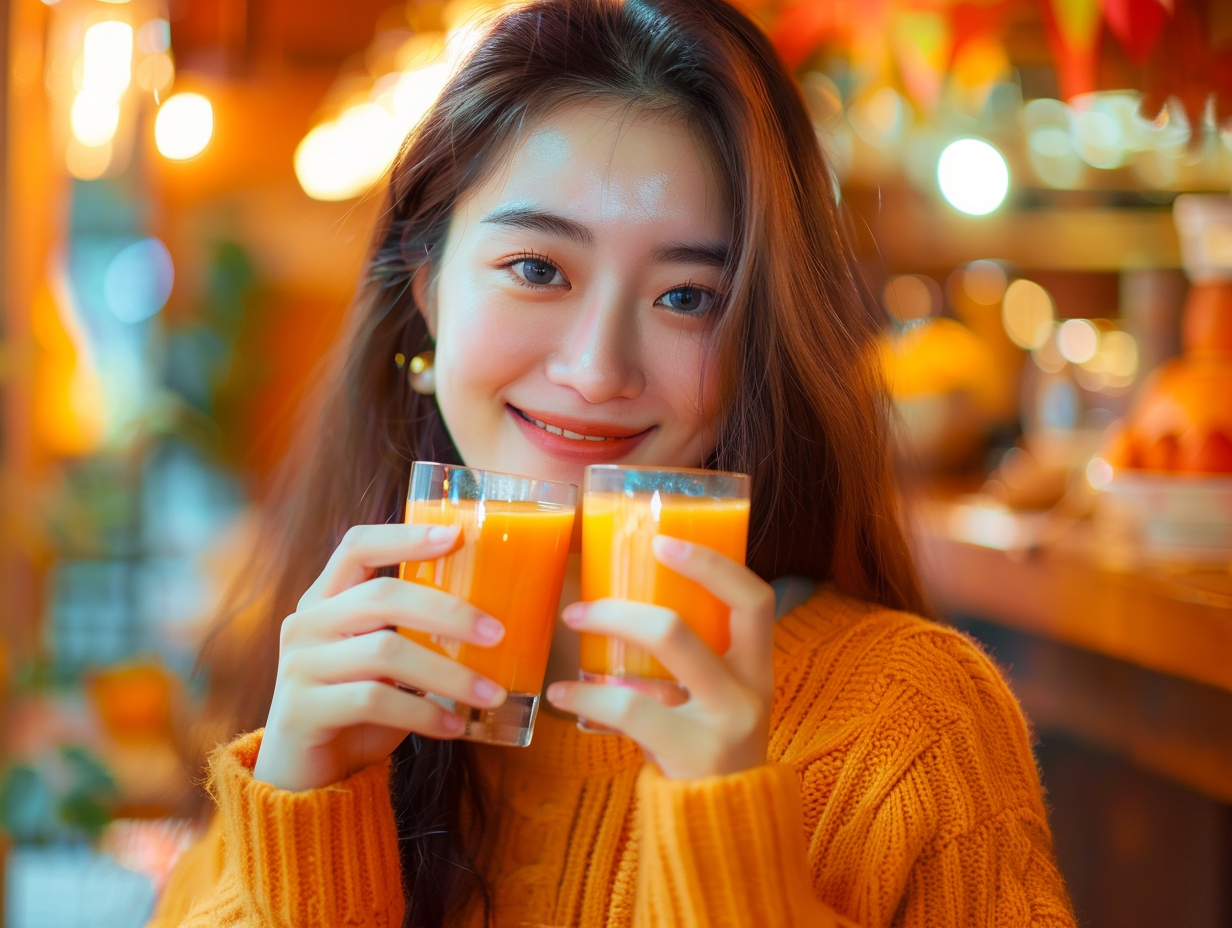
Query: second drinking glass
{"x": 623, "y": 509}
{"x": 510, "y": 563}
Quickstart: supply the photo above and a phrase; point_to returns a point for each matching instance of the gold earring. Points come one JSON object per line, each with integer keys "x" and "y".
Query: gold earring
{"x": 421, "y": 375}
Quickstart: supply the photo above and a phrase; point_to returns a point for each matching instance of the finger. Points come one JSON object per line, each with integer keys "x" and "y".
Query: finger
{"x": 659, "y": 729}
{"x": 386, "y": 655}
{"x": 383, "y": 602}
{"x": 366, "y": 548}
{"x": 664, "y": 634}
{"x": 751, "y": 599}
{"x": 369, "y": 702}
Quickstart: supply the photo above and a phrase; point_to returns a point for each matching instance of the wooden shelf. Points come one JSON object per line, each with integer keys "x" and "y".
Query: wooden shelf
{"x": 1137, "y": 664}
{"x": 902, "y": 229}
{"x": 1173, "y": 624}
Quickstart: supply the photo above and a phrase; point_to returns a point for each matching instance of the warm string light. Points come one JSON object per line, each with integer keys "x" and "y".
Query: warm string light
{"x": 345, "y": 156}
{"x": 92, "y": 77}
{"x": 106, "y": 71}
{"x": 184, "y": 126}
{"x": 1027, "y": 314}
{"x": 1103, "y": 358}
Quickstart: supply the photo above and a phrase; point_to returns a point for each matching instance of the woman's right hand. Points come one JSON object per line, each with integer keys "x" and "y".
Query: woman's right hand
{"x": 336, "y": 708}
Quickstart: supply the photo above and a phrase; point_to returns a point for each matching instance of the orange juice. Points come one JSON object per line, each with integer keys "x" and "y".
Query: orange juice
{"x": 617, "y": 561}
{"x": 510, "y": 564}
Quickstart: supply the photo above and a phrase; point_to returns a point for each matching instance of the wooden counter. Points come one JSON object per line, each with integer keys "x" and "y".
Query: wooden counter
{"x": 1137, "y": 663}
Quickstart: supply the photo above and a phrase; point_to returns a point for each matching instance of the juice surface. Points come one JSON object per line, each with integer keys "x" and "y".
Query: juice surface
{"x": 511, "y": 564}
{"x": 617, "y": 560}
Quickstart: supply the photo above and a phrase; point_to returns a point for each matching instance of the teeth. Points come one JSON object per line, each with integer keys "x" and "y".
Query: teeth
{"x": 565, "y": 433}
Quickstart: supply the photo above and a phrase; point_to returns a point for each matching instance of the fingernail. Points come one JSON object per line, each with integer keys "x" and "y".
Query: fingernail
{"x": 574, "y": 614}
{"x": 673, "y": 549}
{"x": 439, "y": 534}
{"x": 486, "y": 690}
{"x": 452, "y": 724}
{"x": 489, "y": 629}
{"x": 556, "y": 692}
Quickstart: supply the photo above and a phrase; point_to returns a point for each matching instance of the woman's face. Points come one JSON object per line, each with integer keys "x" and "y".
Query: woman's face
{"x": 570, "y": 303}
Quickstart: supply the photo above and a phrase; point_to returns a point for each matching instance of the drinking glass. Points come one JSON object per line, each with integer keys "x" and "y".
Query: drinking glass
{"x": 623, "y": 509}
{"x": 510, "y": 562}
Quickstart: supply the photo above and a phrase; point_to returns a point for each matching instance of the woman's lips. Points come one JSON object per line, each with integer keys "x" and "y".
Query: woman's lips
{"x": 615, "y": 444}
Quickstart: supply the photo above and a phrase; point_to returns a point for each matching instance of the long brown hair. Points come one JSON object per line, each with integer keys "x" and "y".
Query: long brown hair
{"x": 805, "y": 413}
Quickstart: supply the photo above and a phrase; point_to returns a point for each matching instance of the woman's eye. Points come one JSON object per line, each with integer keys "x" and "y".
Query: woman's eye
{"x": 538, "y": 272}
{"x": 691, "y": 300}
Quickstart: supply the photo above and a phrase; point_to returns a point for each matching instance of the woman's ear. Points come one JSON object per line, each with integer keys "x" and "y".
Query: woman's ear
{"x": 424, "y": 294}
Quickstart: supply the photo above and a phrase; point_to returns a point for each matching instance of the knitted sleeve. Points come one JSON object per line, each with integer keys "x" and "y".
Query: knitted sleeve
{"x": 918, "y": 806}
{"x": 194, "y": 876}
{"x": 323, "y": 857}
{"x": 725, "y": 852}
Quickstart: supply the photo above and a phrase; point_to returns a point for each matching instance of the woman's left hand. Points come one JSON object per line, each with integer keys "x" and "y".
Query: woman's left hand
{"x": 724, "y": 727}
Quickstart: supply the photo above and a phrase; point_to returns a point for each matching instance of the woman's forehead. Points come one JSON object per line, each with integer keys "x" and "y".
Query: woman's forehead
{"x": 604, "y": 164}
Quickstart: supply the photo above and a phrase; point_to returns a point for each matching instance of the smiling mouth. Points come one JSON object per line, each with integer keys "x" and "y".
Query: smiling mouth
{"x": 573, "y": 436}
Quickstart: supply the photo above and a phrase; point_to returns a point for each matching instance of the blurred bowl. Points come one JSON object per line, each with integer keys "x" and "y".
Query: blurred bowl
{"x": 941, "y": 431}
{"x": 1171, "y": 517}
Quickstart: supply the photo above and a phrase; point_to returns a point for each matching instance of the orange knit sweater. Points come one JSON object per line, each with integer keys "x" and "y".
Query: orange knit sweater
{"x": 900, "y": 790}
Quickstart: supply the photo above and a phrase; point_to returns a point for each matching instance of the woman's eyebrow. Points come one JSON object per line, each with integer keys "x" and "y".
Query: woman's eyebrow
{"x": 710, "y": 254}
{"x": 512, "y": 216}
{"x": 523, "y": 217}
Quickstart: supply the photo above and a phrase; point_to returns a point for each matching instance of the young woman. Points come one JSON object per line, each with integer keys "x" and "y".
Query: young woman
{"x": 616, "y": 222}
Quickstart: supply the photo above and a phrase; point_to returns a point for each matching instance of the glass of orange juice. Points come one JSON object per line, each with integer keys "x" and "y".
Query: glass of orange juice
{"x": 623, "y": 509}
{"x": 510, "y": 562}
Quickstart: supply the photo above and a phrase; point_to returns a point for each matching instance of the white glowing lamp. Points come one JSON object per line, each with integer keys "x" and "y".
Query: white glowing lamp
{"x": 973, "y": 176}
{"x": 184, "y": 126}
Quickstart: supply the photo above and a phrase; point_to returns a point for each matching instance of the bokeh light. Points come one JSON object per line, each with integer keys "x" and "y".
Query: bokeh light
{"x": 184, "y": 126}
{"x": 1027, "y": 314}
{"x": 1118, "y": 354}
{"x": 341, "y": 159}
{"x": 1077, "y": 340}
{"x": 106, "y": 71}
{"x": 156, "y": 72}
{"x": 87, "y": 162}
{"x": 1047, "y": 357}
{"x": 1099, "y": 473}
{"x": 1098, "y": 139}
{"x": 973, "y": 176}
{"x": 107, "y": 56}
{"x": 880, "y": 117}
{"x": 154, "y": 37}
{"x": 415, "y": 93}
{"x": 1114, "y": 364}
{"x": 911, "y": 296}
{"x": 1050, "y": 146}
{"x": 94, "y": 118}
{"x": 984, "y": 282}
{"x": 138, "y": 280}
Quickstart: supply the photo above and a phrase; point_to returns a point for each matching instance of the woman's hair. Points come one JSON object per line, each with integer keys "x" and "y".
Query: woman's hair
{"x": 804, "y": 411}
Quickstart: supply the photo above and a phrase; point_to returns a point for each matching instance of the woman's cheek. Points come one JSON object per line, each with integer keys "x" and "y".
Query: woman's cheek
{"x": 483, "y": 348}
{"x": 687, "y": 377}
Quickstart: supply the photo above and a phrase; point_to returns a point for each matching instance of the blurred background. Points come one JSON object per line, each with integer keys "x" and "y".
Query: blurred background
{"x": 1039, "y": 190}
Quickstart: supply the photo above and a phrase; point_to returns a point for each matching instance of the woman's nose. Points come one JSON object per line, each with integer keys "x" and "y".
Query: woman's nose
{"x": 598, "y": 356}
